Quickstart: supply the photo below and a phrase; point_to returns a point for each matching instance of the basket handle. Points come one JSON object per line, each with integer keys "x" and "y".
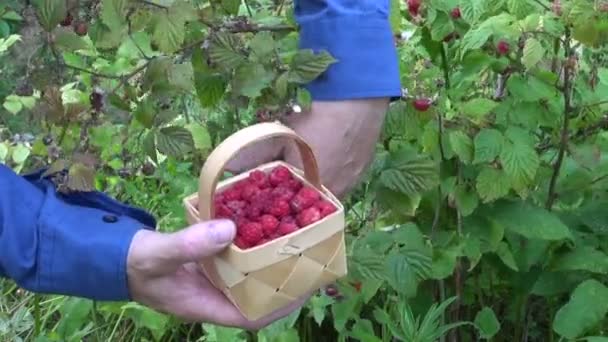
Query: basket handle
{"x": 223, "y": 153}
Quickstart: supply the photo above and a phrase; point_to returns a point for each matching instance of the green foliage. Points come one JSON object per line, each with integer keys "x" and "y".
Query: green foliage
{"x": 483, "y": 218}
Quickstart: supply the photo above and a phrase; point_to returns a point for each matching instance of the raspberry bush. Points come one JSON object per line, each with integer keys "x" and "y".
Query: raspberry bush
{"x": 482, "y": 217}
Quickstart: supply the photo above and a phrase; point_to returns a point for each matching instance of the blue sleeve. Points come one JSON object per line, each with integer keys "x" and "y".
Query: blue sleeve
{"x": 74, "y": 244}
{"x": 358, "y": 34}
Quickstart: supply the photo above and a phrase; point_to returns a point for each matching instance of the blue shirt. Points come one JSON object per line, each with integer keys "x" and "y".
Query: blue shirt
{"x": 77, "y": 244}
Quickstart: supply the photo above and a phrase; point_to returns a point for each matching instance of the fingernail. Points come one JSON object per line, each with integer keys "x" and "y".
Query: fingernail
{"x": 223, "y": 231}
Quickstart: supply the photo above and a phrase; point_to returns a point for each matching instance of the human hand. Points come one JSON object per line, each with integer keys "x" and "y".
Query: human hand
{"x": 342, "y": 134}
{"x": 163, "y": 275}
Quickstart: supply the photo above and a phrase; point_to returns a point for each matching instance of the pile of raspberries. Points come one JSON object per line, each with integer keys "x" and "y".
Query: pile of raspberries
{"x": 266, "y": 206}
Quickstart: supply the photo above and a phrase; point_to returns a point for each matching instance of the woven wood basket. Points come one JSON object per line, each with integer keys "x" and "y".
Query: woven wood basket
{"x": 263, "y": 279}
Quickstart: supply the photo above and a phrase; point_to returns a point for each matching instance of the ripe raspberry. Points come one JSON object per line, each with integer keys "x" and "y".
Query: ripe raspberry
{"x": 422, "y": 104}
{"x": 502, "y": 47}
{"x": 249, "y": 191}
{"x": 237, "y": 208}
{"x": 231, "y": 194}
{"x": 293, "y": 184}
{"x": 251, "y": 232}
{"x": 241, "y": 243}
{"x": 455, "y": 13}
{"x": 413, "y": 7}
{"x": 308, "y": 216}
{"x": 279, "y": 208}
{"x": 305, "y": 198}
{"x": 269, "y": 224}
{"x": 254, "y": 211}
{"x": 67, "y": 21}
{"x": 325, "y": 207}
{"x": 278, "y": 175}
{"x": 259, "y": 178}
{"x": 286, "y": 228}
{"x": 283, "y": 192}
{"x": 289, "y": 219}
{"x": 222, "y": 211}
{"x": 81, "y": 28}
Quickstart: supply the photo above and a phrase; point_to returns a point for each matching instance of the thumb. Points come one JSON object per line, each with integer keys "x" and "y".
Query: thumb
{"x": 201, "y": 240}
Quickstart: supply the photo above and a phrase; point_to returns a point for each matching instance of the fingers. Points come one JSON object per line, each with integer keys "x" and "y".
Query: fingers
{"x": 156, "y": 253}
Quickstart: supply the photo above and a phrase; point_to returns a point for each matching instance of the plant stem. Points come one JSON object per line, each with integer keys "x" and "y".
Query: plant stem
{"x": 37, "y": 326}
{"x": 564, "y": 133}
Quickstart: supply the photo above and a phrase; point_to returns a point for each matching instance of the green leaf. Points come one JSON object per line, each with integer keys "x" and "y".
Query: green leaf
{"x": 410, "y": 174}
{"x": 474, "y": 39}
{"x": 210, "y": 86}
{"x": 307, "y": 66}
{"x": 20, "y": 153}
{"x": 144, "y": 113}
{"x": 492, "y": 184}
{"x": 200, "y": 135}
{"x": 51, "y": 13}
{"x": 69, "y": 41}
{"x": 586, "y": 308}
{"x": 463, "y": 146}
{"x": 319, "y": 306}
{"x": 81, "y": 178}
{"x": 231, "y": 6}
{"x": 488, "y": 145}
{"x": 487, "y": 323}
{"x": 551, "y": 284}
{"x": 478, "y": 108}
{"x": 529, "y": 221}
{"x": 363, "y": 330}
{"x": 466, "y": 200}
{"x": 3, "y": 152}
{"x": 520, "y": 163}
{"x": 114, "y": 14}
{"x": 174, "y": 141}
{"x": 442, "y": 26}
{"x": 304, "y": 98}
{"x": 395, "y": 15}
{"x": 365, "y": 264}
{"x": 533, "y": 53}
{"x": 472, "y": 10}
{"x": 12, "y": 104}
{"x": 401, "y": 275}
{"x": 583, "y": 258}
{"x": 149, "y": 146}
{"x": 223, "y": 50}
{"x": 262, "y": 45}
{"x": 504, "y": 253}
{"x": 250, "y": 79}
{"x": 74, "y": 314}
{"x": 168, "y": 32}
{"x": 12, "y": 15}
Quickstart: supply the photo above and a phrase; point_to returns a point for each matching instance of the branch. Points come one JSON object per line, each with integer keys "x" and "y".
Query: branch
{"x": 565, "y": 134}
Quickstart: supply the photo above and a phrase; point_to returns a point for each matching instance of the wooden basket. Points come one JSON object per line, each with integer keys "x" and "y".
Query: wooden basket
{"x": 262, "y": 279}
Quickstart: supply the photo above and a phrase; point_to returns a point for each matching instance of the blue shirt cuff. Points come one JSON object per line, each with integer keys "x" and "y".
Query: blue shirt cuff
{"x": 75, "y": 244}
{"x": 362, "y": 42}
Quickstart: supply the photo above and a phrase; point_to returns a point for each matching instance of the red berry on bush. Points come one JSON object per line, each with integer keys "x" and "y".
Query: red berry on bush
{"x": 81, "y": 28}
{"x": 422, "y": 104}
{"x": 502, "y": 47}
{"x": 455, "y": 13}
{"x": 413, "y": 7}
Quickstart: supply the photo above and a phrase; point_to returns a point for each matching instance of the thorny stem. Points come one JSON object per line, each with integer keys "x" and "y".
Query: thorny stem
{"x": 564, "y": 134}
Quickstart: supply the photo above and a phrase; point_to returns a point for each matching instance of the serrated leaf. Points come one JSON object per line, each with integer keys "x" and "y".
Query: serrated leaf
{"x": 530, "y": 221}
{"x": 69, "y": 41}
{"x": 366, "y": 264}
{"x": 223, "y": 50}
{"x": 181, "y": 76}
{"x": 281, "y": 85}
{"x": 164, "y": 117}
{"x": 144, "y": 114}
{"x": 174, "y": 141}
{"x": 168, "y": 32}
{"x": 442, "y": 26}
{"x": 307, "y": 66}
{"x": 401, "y": 274}
{"x": 492, "y": 184}
{"x": 520, "y": 163}
{"x": 81, "y": 178}
{"x": 533, "y": 53}
{"x": 20, "y": 154}
{"x": 250, "y": 79}
{"x": 505, "y": 254}
{"x": 478, "y": 108}
{"x": 411, "y": 176}
{"x": 463, "y": 146}
{"x": 474, "y": 39}
{"x": 520, "y": 8}
{"x": 210, "y": 86}
{"x": 262, "y": 45}
{"x": 200, "y": 135}
{"x": 51, "y": 13}
{"x": 583, "y": 258}
{"x": 487, "y": 323}
{"x": 488, "y": 145}
{"x": 149, "y": 146}
{"x": 114, "y": 14}
{"x": 304, "y": 99}
{"x": 586, "y": 308}
{"x": 472, "y": 10}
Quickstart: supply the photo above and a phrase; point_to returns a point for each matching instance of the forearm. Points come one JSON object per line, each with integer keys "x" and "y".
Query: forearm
{"x": 74, "y": 245}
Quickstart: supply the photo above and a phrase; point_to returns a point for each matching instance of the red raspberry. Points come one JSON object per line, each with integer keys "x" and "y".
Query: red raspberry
{"x": 254, "y": 211}
{"x": 308, "y": 216}
{"x": 218, "y": 198}
{"x": 502, "y": 47}
{"x": 279, "y": 175}
{"x": 326, "y": 207}
{"x": 249, "y": 191}
{"x": 241, "y": 243}
{"x": 269, "y": 224}
{"x": 252, "y": 232}
{"x": 258, "y": 178}
{"x": 293, "y": 184}
{"x": 279, "y": 208}
{"x": 305, "y": 198}
{"x": 287, "y": 228}
{"x": 455, "y": 13}
{"x": 232, "y": 194}
{"x": 222, "y": 211}
{"x": 263, "y": 241}
{"x": 282, "y": 192}
{"x": 289, "y": 219}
